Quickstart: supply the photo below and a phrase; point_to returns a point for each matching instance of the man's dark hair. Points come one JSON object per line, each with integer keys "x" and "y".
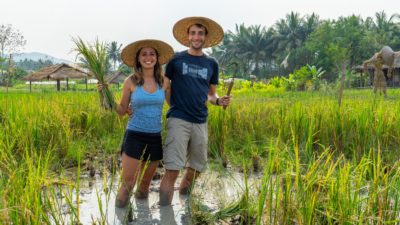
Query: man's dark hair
{"x": 199, "y": 25}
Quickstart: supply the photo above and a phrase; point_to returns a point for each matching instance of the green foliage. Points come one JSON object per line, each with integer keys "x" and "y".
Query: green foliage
{"x": 248, "y": 46}
{"x": 301, "y": 77}
{"x": 340, "y": 162}
{"x": 298, "y": 40}
{"x": 114, "y": 54}
{"x": 2, "y": 61}
{"x": 31, "y": 65}
{"x": 323, "y": 164}
{"x": 125, "y": 69}
{"x": 305, "y": 78}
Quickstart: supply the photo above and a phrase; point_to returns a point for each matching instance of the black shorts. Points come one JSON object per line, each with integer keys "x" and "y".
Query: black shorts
{"x": 142, "y": 146}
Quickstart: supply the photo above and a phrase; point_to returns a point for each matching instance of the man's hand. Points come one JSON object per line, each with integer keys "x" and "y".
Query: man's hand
{"x": 224, "y": 101}
{"x": 129, "y": 111}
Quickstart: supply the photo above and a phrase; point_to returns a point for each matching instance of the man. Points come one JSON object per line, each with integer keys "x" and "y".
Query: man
{"x": 194, "y": 77}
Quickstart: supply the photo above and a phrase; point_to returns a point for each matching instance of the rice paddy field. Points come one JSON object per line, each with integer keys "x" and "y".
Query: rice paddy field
{"x": 315, "y": 162}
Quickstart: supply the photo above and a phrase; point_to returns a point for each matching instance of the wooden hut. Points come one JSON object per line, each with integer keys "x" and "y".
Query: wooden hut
{"x": 393, "y": 81}
{"x": 116, "y": 78}
{"x": 56, "y": 72}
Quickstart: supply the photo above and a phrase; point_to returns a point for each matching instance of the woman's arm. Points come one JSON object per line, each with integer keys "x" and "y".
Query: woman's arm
{"x": 127, "y": 89}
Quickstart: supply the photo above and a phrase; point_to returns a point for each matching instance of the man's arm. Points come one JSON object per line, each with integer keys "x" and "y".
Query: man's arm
{"x": 167, "y": 89}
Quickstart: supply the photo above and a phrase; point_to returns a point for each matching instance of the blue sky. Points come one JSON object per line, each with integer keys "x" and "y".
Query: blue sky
{"x": 48, "y": 25}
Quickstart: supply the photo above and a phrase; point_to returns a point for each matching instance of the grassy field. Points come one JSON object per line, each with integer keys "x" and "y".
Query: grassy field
{"x": 321, "y": 164}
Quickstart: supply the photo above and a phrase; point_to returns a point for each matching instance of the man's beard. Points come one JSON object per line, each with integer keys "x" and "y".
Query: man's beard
{"x": 196, "y": 48}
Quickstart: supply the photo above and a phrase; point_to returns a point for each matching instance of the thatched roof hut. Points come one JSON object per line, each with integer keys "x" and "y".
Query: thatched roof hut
{"x": 116, "y": 78}
{"x": 371, "y": 69}
{"x": 57, "y": 72}
{"x": 360, "y": 68}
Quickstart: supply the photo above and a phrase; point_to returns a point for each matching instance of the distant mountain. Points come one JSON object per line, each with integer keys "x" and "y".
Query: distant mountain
{"x": 35, "y": 56}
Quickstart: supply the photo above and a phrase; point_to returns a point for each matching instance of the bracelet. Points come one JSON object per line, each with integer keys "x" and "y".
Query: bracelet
{"x": 217, "y": 102}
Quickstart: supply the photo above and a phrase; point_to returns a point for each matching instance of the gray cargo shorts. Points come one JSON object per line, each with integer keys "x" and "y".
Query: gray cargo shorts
{"x": 186, "y": 145}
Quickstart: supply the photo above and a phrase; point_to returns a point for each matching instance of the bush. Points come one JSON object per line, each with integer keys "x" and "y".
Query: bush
{"x": 305, "y": 78}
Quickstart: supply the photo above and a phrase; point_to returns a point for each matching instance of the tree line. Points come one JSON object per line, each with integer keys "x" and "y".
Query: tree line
{"x": 296, "y": 40}
{"x": 267, "y": 52}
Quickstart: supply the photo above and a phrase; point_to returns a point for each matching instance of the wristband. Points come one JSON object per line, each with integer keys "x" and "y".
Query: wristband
{"x": 217, "y": 102}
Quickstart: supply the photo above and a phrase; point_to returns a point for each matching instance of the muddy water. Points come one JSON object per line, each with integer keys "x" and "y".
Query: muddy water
{"x": 213, "y": 189}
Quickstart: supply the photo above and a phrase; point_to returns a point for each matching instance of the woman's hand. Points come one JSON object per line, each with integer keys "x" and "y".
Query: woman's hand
{"x": 100, "y": 86}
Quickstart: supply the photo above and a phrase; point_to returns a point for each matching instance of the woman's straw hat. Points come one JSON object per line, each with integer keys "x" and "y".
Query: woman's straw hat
{"x": 165, "y": 51}
{"x": 214, "y": 36}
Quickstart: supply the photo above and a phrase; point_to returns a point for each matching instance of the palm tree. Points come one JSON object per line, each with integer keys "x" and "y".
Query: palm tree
{"x": 289, "y": 32}
{"x": 310, "y": 23}
{"x": 291, "y": 35}
{"x": 223, "y": 53}
{"x": 230, "y": 51}
{"x": 385, "y": 29}
{"x": 250, "y": 46}
{"x": 114, "y": 53}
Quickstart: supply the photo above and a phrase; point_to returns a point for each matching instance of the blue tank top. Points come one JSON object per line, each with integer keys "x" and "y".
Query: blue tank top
{"x": 147, "y": 110}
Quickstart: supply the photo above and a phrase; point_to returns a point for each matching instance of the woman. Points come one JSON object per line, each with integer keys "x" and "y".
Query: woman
{"x": 144, "y": 92}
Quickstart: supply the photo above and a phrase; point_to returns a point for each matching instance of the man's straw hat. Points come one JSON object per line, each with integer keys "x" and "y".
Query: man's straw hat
{"x": 165, "y": 51}
{"x": 214, "y": 36}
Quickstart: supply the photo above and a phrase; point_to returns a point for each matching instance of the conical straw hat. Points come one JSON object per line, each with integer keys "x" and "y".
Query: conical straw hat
{"x": 214, "y": 36}
{"x": 164, "y": 50}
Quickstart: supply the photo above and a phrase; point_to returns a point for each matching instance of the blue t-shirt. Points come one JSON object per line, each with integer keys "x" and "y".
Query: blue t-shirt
{"x": 191, "y": 77}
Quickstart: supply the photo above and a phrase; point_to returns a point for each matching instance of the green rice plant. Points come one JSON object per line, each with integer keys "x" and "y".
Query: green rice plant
{"x": 95, "y": 57}
{"x": 320, "y": 164}
{"x": 34, "y": 137}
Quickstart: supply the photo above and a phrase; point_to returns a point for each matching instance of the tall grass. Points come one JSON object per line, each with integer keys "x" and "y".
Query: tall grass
{"x": 329, "y": 190}
{"x": 314, "y": 122}
{"x": 320, "y": 164}
{"x": 41, "y": 135}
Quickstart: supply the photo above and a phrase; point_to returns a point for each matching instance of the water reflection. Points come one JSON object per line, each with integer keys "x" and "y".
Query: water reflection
{"x": 141, "y": 212}
{"x": 96, "y": 205}
{"x": 169, "y": 215}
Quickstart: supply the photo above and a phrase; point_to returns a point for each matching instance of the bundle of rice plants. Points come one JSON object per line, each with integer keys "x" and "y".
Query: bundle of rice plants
{"x": 95, "y": 57}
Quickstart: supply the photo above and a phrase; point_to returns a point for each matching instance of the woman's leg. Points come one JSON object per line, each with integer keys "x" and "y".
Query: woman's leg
{"x": 130, "y": 171}
{"x": 144, "y": 183}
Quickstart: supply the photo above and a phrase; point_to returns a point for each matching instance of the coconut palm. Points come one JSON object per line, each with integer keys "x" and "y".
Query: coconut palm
{"x": 222, "y": 52}
{"x": 385, "y": 28}
{"x": 250, "y": 46}
{"x": 114, "y": 53}
{"x": 230, "y": 51}
{"x": 255, "y": 43}
{"x": 291, "y": 34}
{"x": 310, "y": 23}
